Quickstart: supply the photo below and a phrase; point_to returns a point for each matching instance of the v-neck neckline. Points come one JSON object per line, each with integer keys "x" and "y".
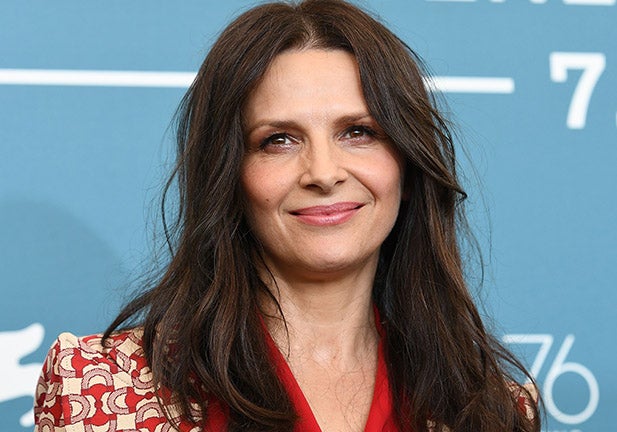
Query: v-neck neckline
{"x": 380, "y": 413}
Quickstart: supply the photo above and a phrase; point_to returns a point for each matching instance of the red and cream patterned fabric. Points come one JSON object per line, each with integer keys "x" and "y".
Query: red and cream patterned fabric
{"x": 85, "y": 387}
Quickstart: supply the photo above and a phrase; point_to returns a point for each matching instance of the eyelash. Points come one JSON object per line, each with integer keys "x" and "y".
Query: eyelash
{"x": 269, "y": 139}
{"x": 366, "y": 130}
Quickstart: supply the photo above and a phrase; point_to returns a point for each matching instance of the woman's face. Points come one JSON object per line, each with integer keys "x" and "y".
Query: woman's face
{"x": 322, "y": 183}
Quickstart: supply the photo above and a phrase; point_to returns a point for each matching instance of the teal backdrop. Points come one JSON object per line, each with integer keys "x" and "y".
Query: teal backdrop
{"x": 87, "y": 92}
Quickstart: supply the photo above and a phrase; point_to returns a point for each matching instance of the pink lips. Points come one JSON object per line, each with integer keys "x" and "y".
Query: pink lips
{"x": 326, "y": 215}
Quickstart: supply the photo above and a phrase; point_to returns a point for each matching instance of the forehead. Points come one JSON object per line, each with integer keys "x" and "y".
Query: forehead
{"x": 307, "y": 82}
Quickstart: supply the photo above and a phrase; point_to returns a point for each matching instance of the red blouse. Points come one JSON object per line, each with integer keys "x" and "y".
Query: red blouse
{"x": 379, "y": 418}
{"x": 85, "y": 387}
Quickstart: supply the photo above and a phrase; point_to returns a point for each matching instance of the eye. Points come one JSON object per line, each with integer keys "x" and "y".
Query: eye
{"x": 276, "y": 140}
{"x": 358, "y": 132}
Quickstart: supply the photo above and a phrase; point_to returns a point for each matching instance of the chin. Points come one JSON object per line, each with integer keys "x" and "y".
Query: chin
{"x": 327, "y": 267}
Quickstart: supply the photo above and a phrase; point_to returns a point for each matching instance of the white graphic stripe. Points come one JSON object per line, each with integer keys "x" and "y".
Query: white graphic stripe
{"x": 98, "y": 78}
{"x": 590, "y": 2}
{"x": 57, "y": 77}
{"x": 454, "y": 84}
{"x": 567, "y": 2}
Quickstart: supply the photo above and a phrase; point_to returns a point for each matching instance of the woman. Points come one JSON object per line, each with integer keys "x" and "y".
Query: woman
{"x": 315, "y": 281}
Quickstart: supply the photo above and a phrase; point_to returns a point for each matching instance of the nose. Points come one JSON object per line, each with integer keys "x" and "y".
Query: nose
{"x": 323, "y": 166}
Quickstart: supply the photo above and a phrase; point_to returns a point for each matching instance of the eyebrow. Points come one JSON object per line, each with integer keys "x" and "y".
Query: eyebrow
{"x": 290, "y": 124}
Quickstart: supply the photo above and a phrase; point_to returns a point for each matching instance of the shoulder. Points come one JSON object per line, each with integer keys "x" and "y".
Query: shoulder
{"x": 526, "y": 396}
{"x": 120, "y": 361}
{"x": 85, "y": 383}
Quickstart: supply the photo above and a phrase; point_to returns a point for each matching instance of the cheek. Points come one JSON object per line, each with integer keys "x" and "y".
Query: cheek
{"x": 386, "y": 177}
{"x": 262, "y": 187}
{"x": 250, "y": 192}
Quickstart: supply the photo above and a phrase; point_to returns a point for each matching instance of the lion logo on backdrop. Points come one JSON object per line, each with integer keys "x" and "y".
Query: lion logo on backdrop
{"x": 58, "y": 275}
{"x": 19, "y": 380}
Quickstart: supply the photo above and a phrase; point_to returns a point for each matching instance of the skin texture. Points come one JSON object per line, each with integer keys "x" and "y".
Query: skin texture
{"x": 323, "y": 189}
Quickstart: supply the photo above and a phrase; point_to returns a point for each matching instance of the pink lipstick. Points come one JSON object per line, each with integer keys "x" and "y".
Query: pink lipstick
{"x": 326, "y": 215}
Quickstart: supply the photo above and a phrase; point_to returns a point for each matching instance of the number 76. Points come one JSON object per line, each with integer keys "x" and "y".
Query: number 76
{"x": 558, "y": 367}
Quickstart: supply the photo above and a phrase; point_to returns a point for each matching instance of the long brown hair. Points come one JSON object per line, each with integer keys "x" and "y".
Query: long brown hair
{"x": 443, "y": 365}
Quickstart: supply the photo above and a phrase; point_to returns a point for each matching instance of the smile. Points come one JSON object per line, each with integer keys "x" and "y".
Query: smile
{"x": 327, "y": 215}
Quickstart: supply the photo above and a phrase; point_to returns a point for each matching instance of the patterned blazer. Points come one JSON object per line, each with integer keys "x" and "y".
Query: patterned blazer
{"x": 86, "y": 387}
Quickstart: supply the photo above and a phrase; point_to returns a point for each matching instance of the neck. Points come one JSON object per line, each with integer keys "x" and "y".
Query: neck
{"x": 329, "y": 320}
